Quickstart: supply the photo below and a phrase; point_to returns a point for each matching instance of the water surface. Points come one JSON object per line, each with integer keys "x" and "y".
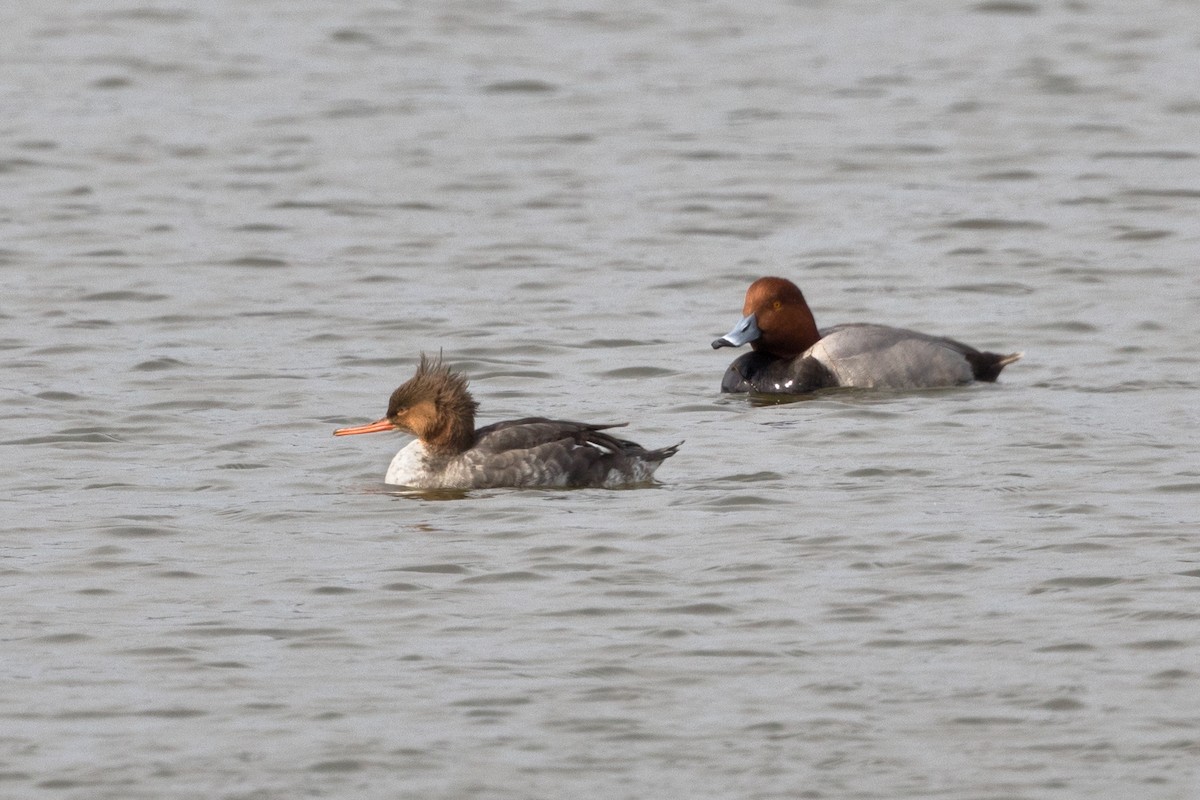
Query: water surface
{"x": 229, "y": 229}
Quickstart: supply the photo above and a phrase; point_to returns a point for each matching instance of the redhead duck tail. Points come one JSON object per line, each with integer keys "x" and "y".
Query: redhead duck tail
{"x": 987, "y": 366}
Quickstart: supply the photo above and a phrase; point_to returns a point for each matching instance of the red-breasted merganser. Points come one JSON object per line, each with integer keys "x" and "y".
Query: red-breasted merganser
{"x": 449, "y": 453}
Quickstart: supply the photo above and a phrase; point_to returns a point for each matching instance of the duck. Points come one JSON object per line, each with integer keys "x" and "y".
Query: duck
{"x": 435, "y": 405}
{"x": 791, "y": 356}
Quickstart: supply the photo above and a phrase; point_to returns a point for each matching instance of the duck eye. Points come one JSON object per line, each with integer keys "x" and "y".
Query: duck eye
{"x": 777, "y": 305}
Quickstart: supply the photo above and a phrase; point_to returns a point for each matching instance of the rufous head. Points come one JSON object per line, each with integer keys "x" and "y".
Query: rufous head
{"x": 776, "y": 320}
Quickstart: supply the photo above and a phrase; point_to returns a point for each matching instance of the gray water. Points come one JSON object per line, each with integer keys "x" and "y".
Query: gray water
{"x": 228, "y": 228}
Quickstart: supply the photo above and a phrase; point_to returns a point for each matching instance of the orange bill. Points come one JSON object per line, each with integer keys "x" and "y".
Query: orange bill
{"x": 375, "y": 427}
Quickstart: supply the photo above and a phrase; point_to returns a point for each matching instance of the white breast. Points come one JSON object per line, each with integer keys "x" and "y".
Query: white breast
{"x": 408, "y": 467}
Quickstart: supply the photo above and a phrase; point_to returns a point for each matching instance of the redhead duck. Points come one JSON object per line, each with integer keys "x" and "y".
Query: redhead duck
{"x": 449, "y": 453}
{"x": 792, "y": 357}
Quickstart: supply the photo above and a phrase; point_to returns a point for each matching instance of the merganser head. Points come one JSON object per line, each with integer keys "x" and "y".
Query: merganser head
{"x": 434, "y": 405}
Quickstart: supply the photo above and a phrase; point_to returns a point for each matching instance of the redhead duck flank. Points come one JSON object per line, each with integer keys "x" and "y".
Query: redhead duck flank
{"x": 791, "y": 356}
{"x": 436, "y": 406}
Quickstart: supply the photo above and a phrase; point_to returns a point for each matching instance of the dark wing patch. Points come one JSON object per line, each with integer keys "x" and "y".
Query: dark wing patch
{"x": 544, "y": 452}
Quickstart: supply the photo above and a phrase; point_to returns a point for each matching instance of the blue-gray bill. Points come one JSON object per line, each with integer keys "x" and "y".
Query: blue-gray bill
{"x": 745, "y": 331}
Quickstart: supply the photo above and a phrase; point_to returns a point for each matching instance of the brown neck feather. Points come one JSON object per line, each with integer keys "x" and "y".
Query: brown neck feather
{"x": 451, "y": 429}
